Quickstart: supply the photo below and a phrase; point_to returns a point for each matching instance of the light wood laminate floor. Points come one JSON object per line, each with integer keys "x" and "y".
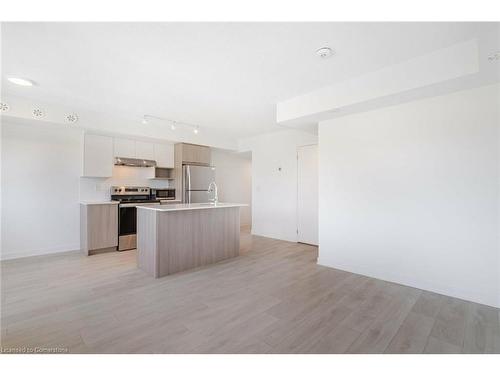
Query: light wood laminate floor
{"x": 271, "y": 299}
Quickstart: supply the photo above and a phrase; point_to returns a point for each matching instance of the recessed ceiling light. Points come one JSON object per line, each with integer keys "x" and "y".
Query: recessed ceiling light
{"x": 20, "y": 81}
{"x": 38, "y": 113}
{"x": 195, "y": 131}
{"x": 72, "y": 118}
{"x": 324, "y": 52}
{"x": 144, "y": 121}
{"x": 494, "y": 56}
{"x": 4, "y": 107}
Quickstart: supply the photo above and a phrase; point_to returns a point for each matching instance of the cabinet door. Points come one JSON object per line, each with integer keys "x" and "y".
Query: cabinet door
{"x": 189, "y": 153}
{"x": 97, "y": 156}
{"x": 144, "y": 150}
{"x": 124, "y": 148}
{"x": 195, "y": 154}
{"x": 204, "y": 155}
{"x": 102, "y": 226}
{"x": 164, "y": 155}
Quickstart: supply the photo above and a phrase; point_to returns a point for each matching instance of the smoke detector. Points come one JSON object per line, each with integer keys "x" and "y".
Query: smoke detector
{"x": 38, "y": 113}
{"x": 324, "y": 52}
{"x": 4, "y": 107}
{"x": 72, "y": 118}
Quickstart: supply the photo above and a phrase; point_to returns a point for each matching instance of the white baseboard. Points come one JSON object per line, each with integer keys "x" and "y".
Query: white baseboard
{"x": 273, "y": 236}
{"x": 483, "y": 297}
{"x": 16, "y": 254}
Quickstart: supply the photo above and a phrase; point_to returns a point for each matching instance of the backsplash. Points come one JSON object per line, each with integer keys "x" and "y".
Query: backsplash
{"x": 96, "y": 189}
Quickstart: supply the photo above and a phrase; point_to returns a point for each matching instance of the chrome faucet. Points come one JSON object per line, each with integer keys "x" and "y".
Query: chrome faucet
{"x": 213, "y": 187}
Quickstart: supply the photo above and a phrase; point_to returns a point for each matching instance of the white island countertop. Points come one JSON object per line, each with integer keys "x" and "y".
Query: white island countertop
{"x": 191, "y": 206}
{"x": 88, "y": 203}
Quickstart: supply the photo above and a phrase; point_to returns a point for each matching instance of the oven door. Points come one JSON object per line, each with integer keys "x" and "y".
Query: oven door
{"x": 127, "y": 221}
{"x": 127, "y": 228}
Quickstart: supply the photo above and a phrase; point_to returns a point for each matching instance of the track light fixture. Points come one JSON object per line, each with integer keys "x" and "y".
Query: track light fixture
{"x": 173, "y": 123}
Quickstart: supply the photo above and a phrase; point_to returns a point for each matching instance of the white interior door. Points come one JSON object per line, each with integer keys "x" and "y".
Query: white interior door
{"x": 307, "y": 194}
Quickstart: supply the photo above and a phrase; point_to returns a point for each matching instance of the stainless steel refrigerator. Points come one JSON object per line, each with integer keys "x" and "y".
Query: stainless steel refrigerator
{"x": 195, "y": 181}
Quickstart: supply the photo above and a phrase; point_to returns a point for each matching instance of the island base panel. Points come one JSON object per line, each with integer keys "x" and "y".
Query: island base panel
{"x": 175, "y": 241}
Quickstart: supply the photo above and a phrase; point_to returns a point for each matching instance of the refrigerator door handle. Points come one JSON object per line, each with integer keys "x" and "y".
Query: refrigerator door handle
{"x": 187, "y": 187}
{"x": 188, "y": 171}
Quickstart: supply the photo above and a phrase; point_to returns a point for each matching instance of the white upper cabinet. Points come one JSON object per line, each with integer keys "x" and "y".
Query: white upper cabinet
{"x": 144, "y": 150}
{"x": 97, "y": 156}
{"x": 164, "y": 155}
{"x": 129, "y": 148}
{"x": 124, "y": 148}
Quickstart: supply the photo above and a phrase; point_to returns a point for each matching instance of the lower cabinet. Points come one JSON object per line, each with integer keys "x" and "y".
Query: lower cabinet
{"x": 98, "y": 227}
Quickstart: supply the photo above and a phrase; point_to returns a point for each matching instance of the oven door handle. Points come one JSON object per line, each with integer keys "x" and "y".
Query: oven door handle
{"x": 125, "y": 205}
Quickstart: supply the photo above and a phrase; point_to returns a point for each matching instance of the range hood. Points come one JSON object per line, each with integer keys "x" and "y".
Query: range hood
{"x": 130, "y": 162}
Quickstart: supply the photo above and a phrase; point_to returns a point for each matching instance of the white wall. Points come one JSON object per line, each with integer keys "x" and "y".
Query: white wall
{"x": 410, "y": 194}
{"x": 40, "y": 177}
{"x": 274, "y": 191}
{"x": 234, "y": 180}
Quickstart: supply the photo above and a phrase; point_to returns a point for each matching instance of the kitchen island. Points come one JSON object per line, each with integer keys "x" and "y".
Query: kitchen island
{"x": 177, "y": 237}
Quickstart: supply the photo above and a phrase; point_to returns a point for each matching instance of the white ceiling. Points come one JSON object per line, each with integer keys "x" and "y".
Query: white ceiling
{"x": 227, "y": 76}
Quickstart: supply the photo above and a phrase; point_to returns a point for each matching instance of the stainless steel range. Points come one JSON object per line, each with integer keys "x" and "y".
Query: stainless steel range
{"x": 130, "y": 197}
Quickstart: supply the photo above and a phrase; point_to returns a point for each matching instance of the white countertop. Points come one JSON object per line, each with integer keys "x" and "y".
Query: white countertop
{"x": 191, "y": 206}
{"x": 169, "y": 201}
{"x": 87, "y": 203}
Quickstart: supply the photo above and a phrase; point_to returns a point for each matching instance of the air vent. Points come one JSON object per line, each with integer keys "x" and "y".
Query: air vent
{"x": 4, "y": 107}
{"x": 72, "y": 118}
{"x": 38, "y": 113}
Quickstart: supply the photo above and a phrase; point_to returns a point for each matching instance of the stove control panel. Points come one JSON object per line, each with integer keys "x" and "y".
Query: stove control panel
{"x": 130, "y": 190}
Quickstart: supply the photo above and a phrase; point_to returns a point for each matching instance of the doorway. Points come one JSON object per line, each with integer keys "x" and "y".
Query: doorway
{"x": 307, "y": 194}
